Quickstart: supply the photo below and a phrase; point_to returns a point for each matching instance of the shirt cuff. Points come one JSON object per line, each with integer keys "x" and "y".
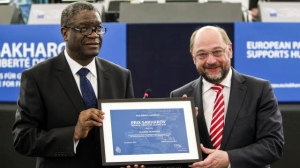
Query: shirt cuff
{"x": 75, "y": 144}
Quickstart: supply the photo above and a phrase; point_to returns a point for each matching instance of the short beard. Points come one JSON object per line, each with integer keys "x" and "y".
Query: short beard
{"x": 216, "y": 80}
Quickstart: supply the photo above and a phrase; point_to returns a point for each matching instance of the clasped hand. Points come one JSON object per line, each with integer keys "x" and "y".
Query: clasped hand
{"x": 215, "y": 159}
{"x": 86, "y": 121}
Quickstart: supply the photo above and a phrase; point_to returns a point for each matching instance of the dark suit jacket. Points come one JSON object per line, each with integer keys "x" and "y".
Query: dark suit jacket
{"x": 48, "y": 109}
{"x": 253, "y": 133}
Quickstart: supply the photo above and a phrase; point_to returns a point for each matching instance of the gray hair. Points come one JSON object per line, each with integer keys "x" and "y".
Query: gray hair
{"x": 73, "y": 9}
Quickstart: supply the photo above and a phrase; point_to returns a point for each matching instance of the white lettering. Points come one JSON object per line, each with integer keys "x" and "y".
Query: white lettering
{"x": 296, "y": 44}
{"x": 295, "y": 54}
{"x": 15, "y": 63}
{"x": 10, "y": 75}
{"x": 29, "y": 50}
{"x": 33, "y": 50}
{"x": 16, "y": 49}
{"x": 5, "y": 50}
{"x": 60, "y": 47}
{"x": 40, "y": 50}
{"x": 267, "y": 45}
{"x": 8, "y": 83}
{"x": 36, "y": 61}
{"x": 51, "y": 49}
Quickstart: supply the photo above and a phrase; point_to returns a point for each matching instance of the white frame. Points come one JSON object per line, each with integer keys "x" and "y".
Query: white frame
{"x": 108, "y": 158}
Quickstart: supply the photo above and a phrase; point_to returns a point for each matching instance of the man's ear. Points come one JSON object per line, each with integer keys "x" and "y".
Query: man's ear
{"x": 230, "y": 51}
{"x": 64, "y": 33}
{"x": 193, "y": 57}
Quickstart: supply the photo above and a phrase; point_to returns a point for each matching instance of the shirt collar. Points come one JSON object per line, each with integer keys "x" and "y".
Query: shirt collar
{"x": 75, "y": 66}
{"x": 226, "y": 82}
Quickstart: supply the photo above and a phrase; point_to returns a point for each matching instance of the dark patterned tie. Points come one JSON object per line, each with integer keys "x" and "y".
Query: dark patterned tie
{"x": 87, "y": 90}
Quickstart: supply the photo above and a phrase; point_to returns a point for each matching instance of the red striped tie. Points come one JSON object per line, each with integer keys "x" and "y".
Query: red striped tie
{"x": 217, "y": 122}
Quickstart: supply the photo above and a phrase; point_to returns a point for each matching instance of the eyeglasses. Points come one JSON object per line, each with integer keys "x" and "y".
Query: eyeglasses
{"x": 215, "y": 53}
{"x": 88, "y": 31}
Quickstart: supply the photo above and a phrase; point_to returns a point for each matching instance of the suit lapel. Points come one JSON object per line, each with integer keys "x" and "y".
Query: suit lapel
{"x": 66, "y": 79}
{"x": 102, "y": 76}
{"x": 237, "y": 95}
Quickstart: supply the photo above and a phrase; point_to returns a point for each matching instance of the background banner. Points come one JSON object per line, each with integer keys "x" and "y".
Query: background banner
{"x": 158, "y": 54}
{"x": 270, "y": 51}
{"x": 23, "y": 46}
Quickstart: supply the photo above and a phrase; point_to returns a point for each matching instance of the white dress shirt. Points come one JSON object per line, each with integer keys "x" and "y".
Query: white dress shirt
{"x": 208, "y": 97}
{"x": 92, "y": 75}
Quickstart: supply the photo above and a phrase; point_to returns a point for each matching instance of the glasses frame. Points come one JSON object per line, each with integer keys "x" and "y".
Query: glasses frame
{"x": 206, "y": 54}
{"x": 93, "y": 29}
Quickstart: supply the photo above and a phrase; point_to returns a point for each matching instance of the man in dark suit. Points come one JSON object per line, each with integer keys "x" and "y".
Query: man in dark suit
{"x": 239, "y": 121}
{"x": 55, "y": 121}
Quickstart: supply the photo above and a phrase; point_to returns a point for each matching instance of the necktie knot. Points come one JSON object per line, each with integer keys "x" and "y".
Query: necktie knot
{"x": 217, "y": 87}
{"x": 83, "y": 72}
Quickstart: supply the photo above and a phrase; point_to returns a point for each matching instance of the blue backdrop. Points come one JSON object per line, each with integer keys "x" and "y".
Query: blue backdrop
{"x": 158, "y": 54}
{"x": 23, "y": 46}
{"x": 270, "y": 51}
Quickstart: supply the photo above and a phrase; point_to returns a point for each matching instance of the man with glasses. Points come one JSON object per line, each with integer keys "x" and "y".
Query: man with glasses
{"x": 239, "y": 122}
{"x": 58, "y": 119}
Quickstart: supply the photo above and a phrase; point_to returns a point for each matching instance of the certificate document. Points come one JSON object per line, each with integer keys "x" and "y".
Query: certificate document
{"x": 149, "y": 131}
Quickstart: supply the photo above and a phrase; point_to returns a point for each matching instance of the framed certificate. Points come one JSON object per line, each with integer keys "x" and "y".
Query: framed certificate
{"x": 149, "y": 131}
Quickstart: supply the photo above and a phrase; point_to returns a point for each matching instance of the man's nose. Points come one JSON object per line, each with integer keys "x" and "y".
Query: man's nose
{"x": 94, "y": 34}
{"x": 211, "y": 59}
